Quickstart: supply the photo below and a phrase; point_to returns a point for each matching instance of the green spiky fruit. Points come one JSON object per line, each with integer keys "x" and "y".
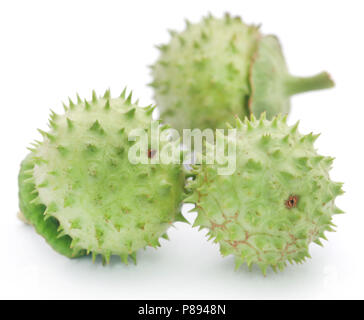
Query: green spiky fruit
{"x": 81, "y": 193}
{"x": 278, "y": 200}
{"x": 219, "y": 68}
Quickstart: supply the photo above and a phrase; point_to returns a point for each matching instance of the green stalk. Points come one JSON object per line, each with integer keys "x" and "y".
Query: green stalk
{"x": 320, "y": 81}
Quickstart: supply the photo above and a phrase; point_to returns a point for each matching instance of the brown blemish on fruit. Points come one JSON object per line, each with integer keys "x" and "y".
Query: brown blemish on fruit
{"x": 291, "y": 202}
{"x": 151, "y": 153}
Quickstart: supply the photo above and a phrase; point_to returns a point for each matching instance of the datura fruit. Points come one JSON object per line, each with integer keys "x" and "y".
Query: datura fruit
{"x": 278, "y": 201}
{"x": 79, "y": 190}
{"x": 219, "y": 68}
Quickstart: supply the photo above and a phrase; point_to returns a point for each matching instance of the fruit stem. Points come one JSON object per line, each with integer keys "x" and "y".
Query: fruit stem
{"x": 319, "y": 81}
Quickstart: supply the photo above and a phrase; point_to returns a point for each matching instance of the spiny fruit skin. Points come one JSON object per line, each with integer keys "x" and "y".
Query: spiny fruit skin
{"x": 279, "y": 199}
{"x": 219, "y": 68}
{"x": 81, "y": 193}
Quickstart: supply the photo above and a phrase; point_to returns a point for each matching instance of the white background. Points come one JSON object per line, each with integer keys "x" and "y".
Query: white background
{"x": 50, "y": 50}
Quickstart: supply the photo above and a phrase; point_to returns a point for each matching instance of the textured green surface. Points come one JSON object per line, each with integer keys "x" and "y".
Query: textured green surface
{"x": 201, "y": 77}
{"x": 246, "y": 212}
{"x": 34, "y": 213}
{"x": 219, "y": 68}
{"x": 84, "y": 182}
